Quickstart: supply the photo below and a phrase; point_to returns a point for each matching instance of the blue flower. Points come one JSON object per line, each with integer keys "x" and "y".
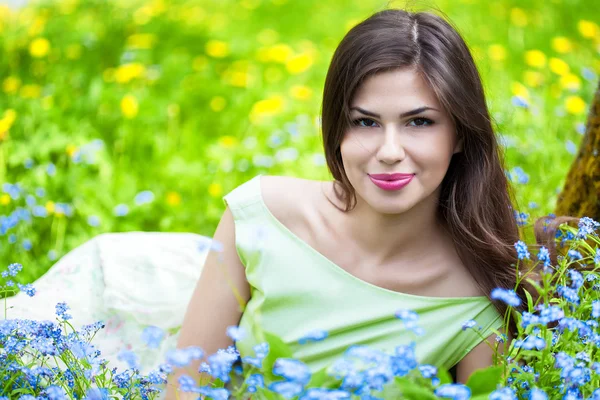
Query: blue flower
{"x": 182, "y": 357}
{"x": 576, "y": 279}
{"x": 236, "y": 333}
{"x": 596, "y": 309}
{"x": 503, "y": 394}
{"x": 129, "y": 357}
{"x": 144, "y": 197}
{"x": 121, "y": 210}
{"x": 152, "y": 336}
{"x": 221, "y": 362}
{"x": 96, "y": 394}
{"x": 13, "y": 269}
{"x": 313, "y": 336}
{"x": 531, "y": 342}
{"x": 410, "y": 321}
{"x": 544, "y": 256}
{"x": 93, "y": 220}
{"x": 507, "y": 296}
{"x": 574, "y": 254}
{"x": 51, "y": 169}
{"x": 214, "y": 393}
{"x": 522, "y": 251}
{"x": 28, "y": 289}
{"x": 292, "y": 370}
{"x": 255, "y": 381}
{"x": 325, "y": 394}
{"x": 287, "y": 389}
{"x": 55, "y": 393}
{"x": 61, "y": 311}
{"x": 520, "y": 175}
{"x": 571, "y": 147}
{"x": 468, "y": 324}
{"x": 519, "y": 102}
{"x": 568, "y": 293}
{"x": 187, "y": 384}
{"x": 453, "y": 391}
{"x": 428, "y": 371}
{"x": 587, "y": 226}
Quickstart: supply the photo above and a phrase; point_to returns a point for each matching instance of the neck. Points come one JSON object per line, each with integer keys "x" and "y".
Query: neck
{"x": 388, "y": 237}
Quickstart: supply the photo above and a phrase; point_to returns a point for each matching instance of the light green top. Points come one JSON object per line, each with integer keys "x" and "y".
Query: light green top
{"x": 295, "y": 290}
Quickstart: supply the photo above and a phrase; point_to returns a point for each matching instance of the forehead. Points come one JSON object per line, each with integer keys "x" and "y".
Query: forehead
{"x": 397, "y": 88}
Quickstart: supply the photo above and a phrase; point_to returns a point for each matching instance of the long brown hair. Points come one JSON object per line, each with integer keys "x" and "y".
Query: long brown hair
{"x": 476, "y": 200}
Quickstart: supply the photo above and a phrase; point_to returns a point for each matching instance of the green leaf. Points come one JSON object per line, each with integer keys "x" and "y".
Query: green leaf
{"x": 485, "y": 381}
{"x": 318, "y": 379}
{"x": 410, "y": 390}
{"x": 277, "y": 349}
{"x": 529, "y": 301}
{"x": 265, "y": 394}
{"x": 444, "y": 376}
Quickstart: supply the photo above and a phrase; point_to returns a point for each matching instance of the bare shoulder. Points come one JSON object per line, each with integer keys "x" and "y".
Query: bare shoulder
{"x": 289, "y": 199}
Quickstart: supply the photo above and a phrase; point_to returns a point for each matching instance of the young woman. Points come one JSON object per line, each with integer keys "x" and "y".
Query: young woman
{"x": 418, "y": 215}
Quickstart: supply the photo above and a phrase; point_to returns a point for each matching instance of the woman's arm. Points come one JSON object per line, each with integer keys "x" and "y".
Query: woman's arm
{"x": 215, "y": 304}
{"x": 482, "y": 356}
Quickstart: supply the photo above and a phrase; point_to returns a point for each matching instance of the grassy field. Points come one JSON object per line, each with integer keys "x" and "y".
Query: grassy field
{"x": 120, "y": 116}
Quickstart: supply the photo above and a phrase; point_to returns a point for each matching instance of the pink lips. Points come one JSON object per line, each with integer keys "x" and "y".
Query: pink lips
{"x": 391, "y": 181}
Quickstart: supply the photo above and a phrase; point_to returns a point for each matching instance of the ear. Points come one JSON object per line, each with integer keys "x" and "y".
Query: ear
{"x": 459, "y": 146}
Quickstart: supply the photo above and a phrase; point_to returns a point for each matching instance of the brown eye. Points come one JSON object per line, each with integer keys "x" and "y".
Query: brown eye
{"x": 421, "y": 122}
{"x": 359, "y": 121}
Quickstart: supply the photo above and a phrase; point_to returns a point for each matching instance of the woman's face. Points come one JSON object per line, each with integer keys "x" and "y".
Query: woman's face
{"x": 398, "y": 126}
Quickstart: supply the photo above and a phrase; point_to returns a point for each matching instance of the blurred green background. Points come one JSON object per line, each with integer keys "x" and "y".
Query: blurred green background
{"x": 141, "y": 115}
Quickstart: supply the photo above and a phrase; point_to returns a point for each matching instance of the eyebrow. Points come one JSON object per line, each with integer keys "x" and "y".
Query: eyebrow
{"x": 403, "y": 115}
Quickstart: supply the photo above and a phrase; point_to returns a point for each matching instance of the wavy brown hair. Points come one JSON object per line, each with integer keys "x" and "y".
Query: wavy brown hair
{"x": 476, "y": 200}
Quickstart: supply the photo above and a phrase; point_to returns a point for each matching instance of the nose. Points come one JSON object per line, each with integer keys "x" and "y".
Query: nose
{"x": 391, "y": 150}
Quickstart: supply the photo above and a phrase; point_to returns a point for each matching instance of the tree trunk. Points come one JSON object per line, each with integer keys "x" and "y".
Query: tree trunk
{"x": 580, "y": 196}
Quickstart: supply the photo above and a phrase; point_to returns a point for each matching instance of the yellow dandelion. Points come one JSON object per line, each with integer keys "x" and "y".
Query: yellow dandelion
{"x": 280, "y": 53}
{"x": 588, "y": 29}
{"x": 570, "y": 82}
{"x": 30, "y": 91}
{"x": 129, "y": 106}
{"x": 217, "y": 48}
{"x": 518, "y": 17}
{"x": 575, "y": 105}
{"x": 73, "y": 51}
{"x": 535, "y": 58}
{"x": 533, "y": 78}
{"x": 39, "y": 47}
{"x": 562, "y": 45}
{"x": 497, "y": 52}
{"x": 71, "y": 149}
{"x": 215, "y": 189}
{"x": 50, "y": 207}
{"x": 228, "y": 141}
{"x": 300, "y": 92}
{"x": 10, "y": 115}
{"x": 239, "y": 79}
{"x": 4, "y": 127}
{"x": 11, "y": 84}
{"x": 127, "y": 72}
{"x": 173, "y": 199}
{"x": 269, "y": 106}
{"x": 141, "y": 41}
{"x": 217, "y": 103}
{"x": 518, "y": 89}
{"x": 558, "y": 66}
{"x": 5, "y": 199}
{"x": 199, "y": 63}
{"x": 299, "y": 63}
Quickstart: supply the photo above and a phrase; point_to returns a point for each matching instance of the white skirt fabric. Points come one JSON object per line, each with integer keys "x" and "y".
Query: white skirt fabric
{"x": 129, "y": 281}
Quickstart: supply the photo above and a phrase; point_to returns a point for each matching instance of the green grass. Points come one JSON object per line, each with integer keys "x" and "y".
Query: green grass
{"x": 195, "y": 135}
